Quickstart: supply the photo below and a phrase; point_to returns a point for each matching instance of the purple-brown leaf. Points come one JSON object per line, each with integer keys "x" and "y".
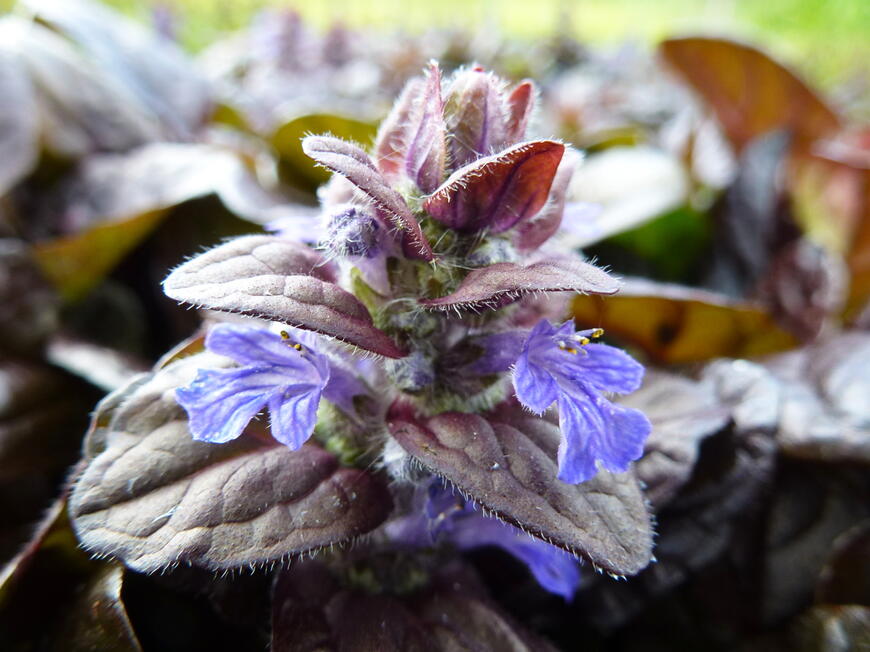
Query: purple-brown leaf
{"x": 152, "y": 496}
{"x": 499, "y": 191}
{"x": 535, "y": 231}
{"x": 354, "y": 164}
{"x": 502, "y": 283}
{"x": 507, "y": 464}
{"x": 280, "y": 280}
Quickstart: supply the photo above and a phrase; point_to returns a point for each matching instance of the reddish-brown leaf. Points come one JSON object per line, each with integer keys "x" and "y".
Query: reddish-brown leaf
{"x": 499, "y": 191}
{"x": 750, "y": 92}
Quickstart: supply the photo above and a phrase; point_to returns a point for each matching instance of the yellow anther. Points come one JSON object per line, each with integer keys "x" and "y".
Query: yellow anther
{"x": 566, "y": 347}
{"x": 582, "y": 341}
{"x": 598, "y": 332}
{"x": 286, "y": 337}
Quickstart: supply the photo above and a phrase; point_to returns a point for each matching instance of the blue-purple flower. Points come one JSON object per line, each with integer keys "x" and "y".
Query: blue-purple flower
{"x": 560, "y": 365}
{"x": 447, "y": 517}
{"x": 285, "y": 373}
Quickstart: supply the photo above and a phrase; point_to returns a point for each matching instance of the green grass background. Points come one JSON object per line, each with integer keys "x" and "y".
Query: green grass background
{"x": 827, "y": 40}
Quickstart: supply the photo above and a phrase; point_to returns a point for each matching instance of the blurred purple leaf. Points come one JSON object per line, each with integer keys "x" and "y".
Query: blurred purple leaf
{"x": 750, "y": 92}
{"x": 19, "y": 123}
{"x": 716, "y": 514}
{"x": 30, "y": 306}
{"x": 825, "y": 414}
{"x": 752, "y": 219}
{"x": 804, "y": 288}
{"x": 845, "y": 578}
{"x": 153, "y": 71}
{"x": 117, "y": 187}
{"x": 80, "y": 109}
{"x": 683, "y": 413}
{"x": 809, "y": 508}
{"x": 97, "y": 618}
{"x": 83, "y": 608}
{"x": 760, "y": 252}
{"x": 42, "y": 417}
{"x": 280, "y": 280}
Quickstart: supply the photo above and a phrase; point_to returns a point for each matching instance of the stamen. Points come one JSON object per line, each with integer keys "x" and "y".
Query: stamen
{"x": 585, "y": 337}
{"x": 567, "y": 347}
{"x": 286, "y": 337}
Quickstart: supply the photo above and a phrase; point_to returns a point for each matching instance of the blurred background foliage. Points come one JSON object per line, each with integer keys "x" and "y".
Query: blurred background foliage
{"x": 826, "y": 39}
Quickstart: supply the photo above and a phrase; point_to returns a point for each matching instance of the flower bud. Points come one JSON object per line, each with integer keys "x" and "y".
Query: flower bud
{"x": 413, "y": 373}
{"x": 352, "y": 231}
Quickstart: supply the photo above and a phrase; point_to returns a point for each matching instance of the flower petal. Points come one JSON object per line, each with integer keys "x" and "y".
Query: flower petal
{"x": 342, "y": 386}
{"x": 257, "y": 346}
{"x": 500, "y": 352}
{"x": 534, "y": 387}
{"x": 594, "y": 429}
{"x": 554, "y": 569}
{"x": 454, "y": 519}
{"x": 605, "y": 368}
{"x": 294, "y": 415}
{"x": 221, "y": 402}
